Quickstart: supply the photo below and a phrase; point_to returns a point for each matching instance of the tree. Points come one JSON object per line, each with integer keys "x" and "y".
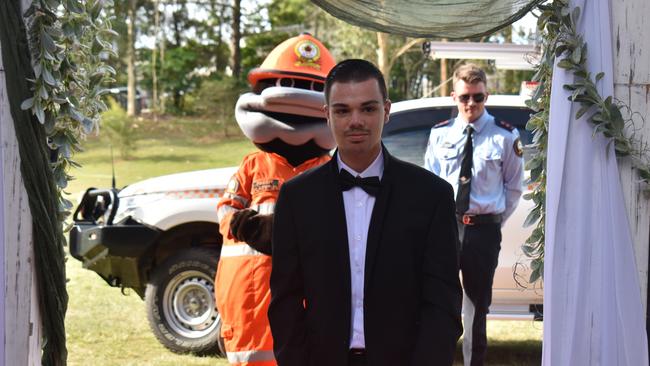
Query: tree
{"x": 235, "y": 47}
{"x": 130, "y": 110}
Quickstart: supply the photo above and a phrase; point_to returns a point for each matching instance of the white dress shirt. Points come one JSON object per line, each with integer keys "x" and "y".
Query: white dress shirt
{"x": 358, "y": 211}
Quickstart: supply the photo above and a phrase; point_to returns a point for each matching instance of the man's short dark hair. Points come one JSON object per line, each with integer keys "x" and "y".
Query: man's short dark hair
{"x": 354, "y": 70}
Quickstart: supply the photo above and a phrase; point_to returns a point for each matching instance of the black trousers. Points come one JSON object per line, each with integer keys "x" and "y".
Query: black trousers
{"x": 479, "y": 255}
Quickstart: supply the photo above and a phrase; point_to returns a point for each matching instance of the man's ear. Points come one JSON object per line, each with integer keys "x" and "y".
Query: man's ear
{"x": 387, "y": 105}
{"x": 327, "y": 113}
{"x": 453, "y": 95}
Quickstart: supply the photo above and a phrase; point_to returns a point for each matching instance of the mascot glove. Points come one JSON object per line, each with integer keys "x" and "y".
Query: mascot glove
{"x": 249, "y": 226}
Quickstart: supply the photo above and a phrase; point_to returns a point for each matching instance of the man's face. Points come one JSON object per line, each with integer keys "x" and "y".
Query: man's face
{"x": 465, "y": 96}
{"x": 356, "y": 114}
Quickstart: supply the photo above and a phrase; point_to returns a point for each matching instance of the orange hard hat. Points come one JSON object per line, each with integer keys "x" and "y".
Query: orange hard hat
{"x": 300, "y": 57}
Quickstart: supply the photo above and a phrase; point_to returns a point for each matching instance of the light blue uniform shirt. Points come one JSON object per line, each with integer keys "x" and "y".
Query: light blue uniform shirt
{"x": 497, "y": 171}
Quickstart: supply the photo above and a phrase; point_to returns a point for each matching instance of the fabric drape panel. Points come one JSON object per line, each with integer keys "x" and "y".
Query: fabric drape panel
{"x": 2, "y": 234}
{"x": 430, "y": 18}
{"x": 593, "y": 314}
{"x": 39, "y": 184}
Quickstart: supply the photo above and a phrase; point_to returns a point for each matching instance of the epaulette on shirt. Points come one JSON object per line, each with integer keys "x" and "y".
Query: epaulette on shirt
{"x": 442, "y": 124}
{"x": 504, "y": 125}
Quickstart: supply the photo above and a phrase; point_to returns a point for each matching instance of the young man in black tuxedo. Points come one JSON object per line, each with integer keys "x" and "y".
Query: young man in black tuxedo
{"x": 365, "y": 257}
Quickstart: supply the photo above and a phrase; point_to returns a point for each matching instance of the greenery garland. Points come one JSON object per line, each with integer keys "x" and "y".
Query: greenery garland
{"x": 557, "y": 23}
{"x": 69, "y": 44}
{"x": 63, "y": 56}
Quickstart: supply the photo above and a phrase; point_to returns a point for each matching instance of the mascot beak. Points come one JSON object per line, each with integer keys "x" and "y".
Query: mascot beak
{"x": 291, "y": 114}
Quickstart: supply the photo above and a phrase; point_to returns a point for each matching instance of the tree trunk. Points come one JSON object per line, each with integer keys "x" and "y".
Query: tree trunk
{"x": 163, "y": 46}
{"x": 509, "y": 80}
{"x": 130, "y": 104}
{"x": 444, "y": 74}
{"x": 154, "y": 57}
{"x": 222, "y": 17}
{"x": 383, "y": 60}
{"x": 176, "y": 24}
{"x": 235, "y": 57}
{"x": 444, "y": 91}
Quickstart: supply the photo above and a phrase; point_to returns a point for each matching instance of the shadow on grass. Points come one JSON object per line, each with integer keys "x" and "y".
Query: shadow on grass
{"x": 508, "y": 353}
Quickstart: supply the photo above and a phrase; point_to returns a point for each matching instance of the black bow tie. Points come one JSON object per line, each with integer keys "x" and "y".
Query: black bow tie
{"x": 369, "y": 184}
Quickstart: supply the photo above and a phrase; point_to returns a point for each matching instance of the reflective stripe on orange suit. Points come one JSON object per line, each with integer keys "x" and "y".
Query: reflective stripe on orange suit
{"x": 242, "y": 283}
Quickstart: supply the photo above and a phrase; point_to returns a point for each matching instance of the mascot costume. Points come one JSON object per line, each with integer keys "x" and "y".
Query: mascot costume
{"x": 283, "y": 116}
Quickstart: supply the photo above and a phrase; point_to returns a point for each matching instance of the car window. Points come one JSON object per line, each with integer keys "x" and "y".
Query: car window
{"x": 407, "y": 132}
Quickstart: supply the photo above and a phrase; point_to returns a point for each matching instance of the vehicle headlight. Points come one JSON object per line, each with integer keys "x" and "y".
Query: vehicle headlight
{"x": 129, "y": 206}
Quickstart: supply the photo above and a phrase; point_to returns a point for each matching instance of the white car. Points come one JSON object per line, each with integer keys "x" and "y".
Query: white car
{"x": 160, "y": 237}
{"x": 406, "y": 135}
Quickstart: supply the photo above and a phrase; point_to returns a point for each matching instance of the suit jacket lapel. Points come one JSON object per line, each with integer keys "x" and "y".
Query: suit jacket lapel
{"x": 378, "y": 214}
{"x": 338, "y": 232}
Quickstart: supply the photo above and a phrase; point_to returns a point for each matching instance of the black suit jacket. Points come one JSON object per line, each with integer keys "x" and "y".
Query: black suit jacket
{"x": 412, "y": 294}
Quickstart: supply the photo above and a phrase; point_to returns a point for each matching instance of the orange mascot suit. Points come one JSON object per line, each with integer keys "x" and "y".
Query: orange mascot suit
{"x": 283, "y": 116}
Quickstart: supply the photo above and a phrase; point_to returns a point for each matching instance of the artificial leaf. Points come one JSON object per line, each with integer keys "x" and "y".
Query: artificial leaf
{"x": 532, "y": 217}
{"x": 40, "y": 113}
{"x": 576, "y": 55}
{"x": 27, "y": 104}
{"x": 565, "y": 64}
{"x": 535, "y": 275}
{"x": 48, "y": 77}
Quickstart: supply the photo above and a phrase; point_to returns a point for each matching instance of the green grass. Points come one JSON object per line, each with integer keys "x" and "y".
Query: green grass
{"x": 106, "y": 328}
{"x": 511, "y": 343}
{"x": 164, "y": 147}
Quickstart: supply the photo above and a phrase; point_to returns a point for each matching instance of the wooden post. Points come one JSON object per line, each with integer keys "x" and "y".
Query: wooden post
{"x": 21, "y": 330}
{"x": 631, "y": 48}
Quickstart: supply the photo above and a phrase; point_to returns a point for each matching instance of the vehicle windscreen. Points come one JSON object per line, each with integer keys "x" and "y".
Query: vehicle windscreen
{"x": 407, "y": 133}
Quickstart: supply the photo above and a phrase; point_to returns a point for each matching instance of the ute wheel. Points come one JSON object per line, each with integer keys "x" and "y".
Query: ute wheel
{"x": 180, "y": 303}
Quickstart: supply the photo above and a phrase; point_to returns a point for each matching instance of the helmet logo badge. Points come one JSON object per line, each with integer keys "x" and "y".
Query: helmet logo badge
{"x": 308, "y": 54}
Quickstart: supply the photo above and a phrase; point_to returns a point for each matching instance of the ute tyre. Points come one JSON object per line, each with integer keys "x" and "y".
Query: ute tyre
{"x": 180, "y": 303}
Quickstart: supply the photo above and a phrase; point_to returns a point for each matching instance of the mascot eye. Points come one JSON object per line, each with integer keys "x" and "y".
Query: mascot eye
{"x": 314, "y": 85}
{"x": 286, "y": 82}
{"x": 263, "y": 84}
{"x": 317, "y": 86}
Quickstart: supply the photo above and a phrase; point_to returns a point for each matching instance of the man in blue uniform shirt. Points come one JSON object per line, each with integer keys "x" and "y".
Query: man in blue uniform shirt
{"x": 481, "y": 157}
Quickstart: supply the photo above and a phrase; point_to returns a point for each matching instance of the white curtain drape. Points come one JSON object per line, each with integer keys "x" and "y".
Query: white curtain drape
{"x": 593, "y": 313}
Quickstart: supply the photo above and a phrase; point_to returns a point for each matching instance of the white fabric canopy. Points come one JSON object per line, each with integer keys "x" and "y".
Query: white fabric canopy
{"x": 593, "y": 314}
{"x": 430, "y": 18}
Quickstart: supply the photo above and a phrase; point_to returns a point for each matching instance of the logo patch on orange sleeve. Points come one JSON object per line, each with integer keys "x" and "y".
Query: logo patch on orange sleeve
{"x": 268, "y": 185}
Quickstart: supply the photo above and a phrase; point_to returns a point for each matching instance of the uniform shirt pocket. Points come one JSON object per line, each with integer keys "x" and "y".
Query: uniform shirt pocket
{"x": 487, "y": 166}
{"x": 448, "y": 159}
